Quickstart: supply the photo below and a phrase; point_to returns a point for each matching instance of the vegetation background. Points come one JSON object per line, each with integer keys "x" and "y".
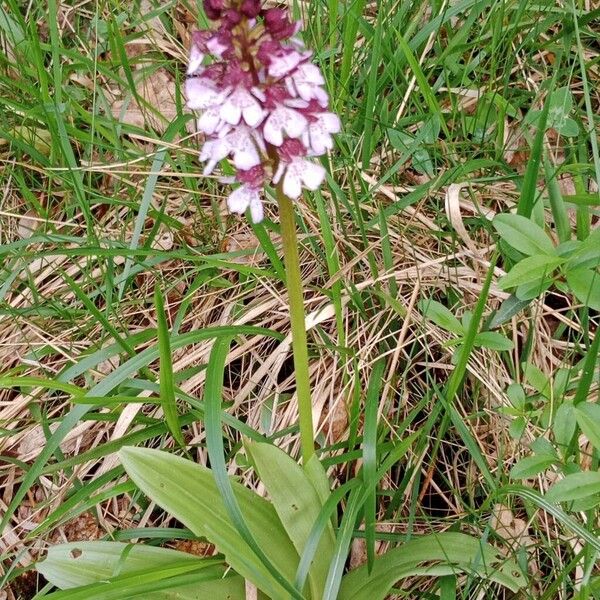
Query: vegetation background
{"x": 453, "y": 112}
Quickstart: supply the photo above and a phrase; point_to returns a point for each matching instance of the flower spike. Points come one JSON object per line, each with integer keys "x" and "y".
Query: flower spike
{"x": 261, "y": 103}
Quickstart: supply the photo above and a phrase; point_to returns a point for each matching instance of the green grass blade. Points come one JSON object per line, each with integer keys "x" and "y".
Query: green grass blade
{"x": 70, "y": 420}
{"x": 370, "y": 455}
{"x": 350, "y": 26}
{"x": 589, "y": 368}
{"x": 167, "y": 391}
{"x": 344, "y": 539}
{"x": 558, "y": 513}
{"x": 529, "y": 191}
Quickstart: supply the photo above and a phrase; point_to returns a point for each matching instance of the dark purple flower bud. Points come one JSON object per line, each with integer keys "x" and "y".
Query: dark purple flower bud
{"x": 274, "y": 17}
{"x": 290, "y": 149}
{"x": 232, "y": 18}
{"x": 251, "y": 8}
{"x": 200, "y": 38}
{"x": 236, "y": 76}
{"x": 266, "y": 50}
{"x": 278, "y": 25}
{"x": 274, "y": 95}
{"x": 221, "y": 44}
{"x": 214, "y": 72}
{"x": 214, "y": 8}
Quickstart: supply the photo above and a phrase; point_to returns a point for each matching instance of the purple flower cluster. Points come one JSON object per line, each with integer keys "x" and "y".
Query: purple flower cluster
{"x": 261, "y": 102}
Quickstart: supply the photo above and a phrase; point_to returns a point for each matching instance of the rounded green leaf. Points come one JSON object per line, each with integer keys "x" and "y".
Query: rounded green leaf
{"x": 574, "y": 487}
{"x": 528, "y": 291}
{"x": 588, "y": 419}
{"x": 81, "y": 563}
{"x": 494, "y": 341}
{"x": 523, "y": 234}
{"x": 564, "y": 424}
{"x": 441, "y": 316}
{"x": 530, "y": 466}
{"x": 529, "y": 269}
{"x": 585, "y": 285}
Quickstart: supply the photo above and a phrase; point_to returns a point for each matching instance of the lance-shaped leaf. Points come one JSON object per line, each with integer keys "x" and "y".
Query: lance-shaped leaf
{"x": 188, "y": 491}
{"x": 297, "y": 503}
{"x": 101, "y": 570}
{"x": 439, "y": 554}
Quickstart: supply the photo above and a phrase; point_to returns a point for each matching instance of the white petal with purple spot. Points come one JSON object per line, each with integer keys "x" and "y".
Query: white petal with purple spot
{"x": 312, "y": 174}
{"x": 243, "y": 148}
{"x": 256, "y": 210}
{"x": 213, "y": 151}
{"x": 284, "y": 120}
{"x": 241, "y": 103}
{"x": 318, "y": 136}
{"x": 202, "y": 93}
{"x": 196, "y": 58}
{"x": 209, "y": 121}
{"x": 300, "y": 173}
{"x": 240, "y": 199}
{"x": 245, "y": 197}
{"x": 282, "y": 65}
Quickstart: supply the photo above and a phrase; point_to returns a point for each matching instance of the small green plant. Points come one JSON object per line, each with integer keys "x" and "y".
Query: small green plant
{"x": 571, "y": 266}
{"x": 414, "y": 147}
{"x": 560, "y": 109}
{"x": 444, "y": 318}
{"x": 560, "y": 408}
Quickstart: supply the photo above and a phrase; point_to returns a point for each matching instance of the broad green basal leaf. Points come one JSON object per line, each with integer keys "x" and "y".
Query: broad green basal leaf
{"x": 298, "y": 505}
{"x": 318, "y": 477}
{"x": 440, "y": 554}
{"x": 102, "y": 570}
{"x": 80, "y": 563}
{"x": 189, "y": 493}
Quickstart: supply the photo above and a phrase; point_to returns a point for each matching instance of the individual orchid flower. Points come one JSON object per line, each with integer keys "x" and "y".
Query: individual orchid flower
{"x": 248, "y": 195}
{"x": 297, "y": 172}
{"x": 321, "y": 125}
{"x": 261, "y": 103}
{"x": 242, "y": 143}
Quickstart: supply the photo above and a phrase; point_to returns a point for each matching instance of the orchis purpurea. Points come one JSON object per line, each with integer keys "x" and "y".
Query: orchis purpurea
{"x": 261, "y": 102}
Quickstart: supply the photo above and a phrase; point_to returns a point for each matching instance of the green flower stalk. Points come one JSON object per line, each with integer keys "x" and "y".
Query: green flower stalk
{"x": 297, "y": 318}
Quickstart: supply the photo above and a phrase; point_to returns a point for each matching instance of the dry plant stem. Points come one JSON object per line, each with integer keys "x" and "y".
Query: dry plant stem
{"x": 299, "y": 344}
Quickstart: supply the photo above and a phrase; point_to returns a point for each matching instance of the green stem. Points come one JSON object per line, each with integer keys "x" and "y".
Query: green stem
{"x": 299, "y": 344}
